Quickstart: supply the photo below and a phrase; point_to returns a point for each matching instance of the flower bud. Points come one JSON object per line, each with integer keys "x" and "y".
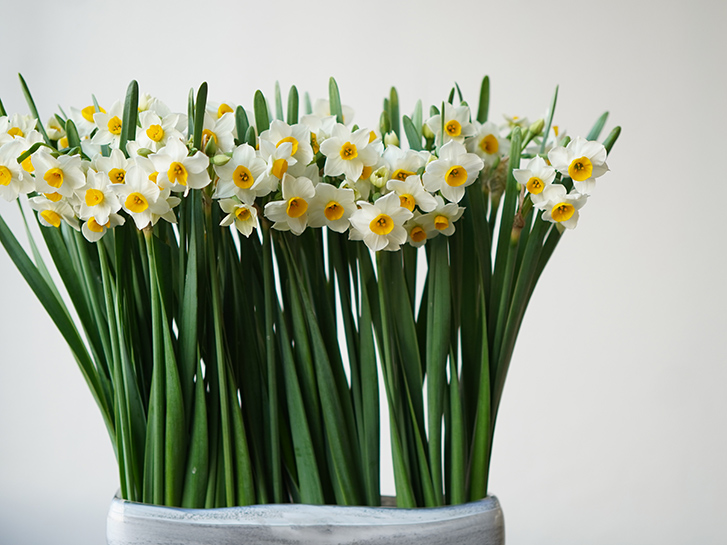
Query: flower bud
{"x": 219, "y": 160}
{"x": 537, "y": 127}
{"x": 427, "y": 132}
{"x": 380, "y": 176}
{"x": 391, "y": 139}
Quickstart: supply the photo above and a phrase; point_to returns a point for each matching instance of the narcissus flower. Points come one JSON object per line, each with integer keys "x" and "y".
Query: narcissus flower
{"x": 156, "y": 131}
{"x": 381, "y": 224}
{"x": 456, "y": 125}
{"x": 488, "y": 144}
{"x": 242, "y": 213}
{"x": 560, "y": 207}
{"x": 452, "y": 172}
{"x": 109, "y": 125}
{"x": 411, "y": 193}
{"x": 331, "y": 207}
{"x": 299, "y": 138}
{"x": 114, "y": 166}
{"x": 97, "y": 198}
{"x": 291, "y": 214}
{"x": 348, "y": 152}
{"x": 242, "y": 176}
{"x": 51, "y": 213}
{"x": 142, "y": 199}
{"x": 13, "y": 179}
{"x": 62, "y": 175}
{"x": 582, "y": 160}
{"x": 179, "y": 172}
{"x": 536, "y": 176}
{"x": 94, "y": 231}
{"x": 441, "y": 219}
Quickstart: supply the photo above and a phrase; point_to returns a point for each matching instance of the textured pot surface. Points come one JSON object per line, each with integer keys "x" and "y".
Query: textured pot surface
{"x": 479, "y": 522}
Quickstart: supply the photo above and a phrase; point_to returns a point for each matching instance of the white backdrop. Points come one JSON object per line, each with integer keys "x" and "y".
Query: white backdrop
{"x": 612, "y": 427}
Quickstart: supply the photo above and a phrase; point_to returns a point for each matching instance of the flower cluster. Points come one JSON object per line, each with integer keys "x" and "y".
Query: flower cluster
{"x": 314, "y": 173}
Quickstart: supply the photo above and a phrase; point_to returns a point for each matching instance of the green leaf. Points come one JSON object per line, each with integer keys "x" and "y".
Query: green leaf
{"x": 484, "y": 107}
{"x": 190, "y": 112}
{"x": 33, "y": 109}
{"x": 241, "y": 123}
{"x": 611, "y": 139}
{"x": 412, "y": 134}
{"x": 131, "y": 111}
{"x": 195, "y": 483}
{"x": 2, "y": 109}
{"x": 293, "y": 106}
{"x": 334, "y": 98}
{"x": 416, "y": 117}
{"x": 251, "y": 136}
{"x": 262, "y": 121}
{"x": 200, "y": 106}
{"x": 459, "y": 92}
{"x": 278, "y": 102}
{"x": 597, "y": 127}
{"x": 549, "y": 124}
{"x": 394, "y": 111}
{"x": 72, "y": 134}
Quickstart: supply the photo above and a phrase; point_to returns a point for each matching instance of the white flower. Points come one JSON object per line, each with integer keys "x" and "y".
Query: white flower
{"x": 348, "y": 153}
{"x": 292, "y": 212}
{"x": 244, "y": 214}
{"x": 109, "y": 125}
{"x": 60, "y": 175}
{"x": 299, "y": 138}
{"x": 13, "y": 179}
{"x": 218, "y": 109}
{"x": 488, "y": 144}
{"x": 322, "y": 108}
{"x": 142, "y": 199}
{"x": 457, "y": 124}
{"x": 561, "y": 208}
{"x": 83, "y": 119}
{"x": 156, "y": 131}
{"x": 51, "y": 213}
{"x": 320, "y": 128}
{"x": 331, "y": 207}
{"x": 221, "y": 130}
{"x": 179, "y": 172}
{"x": 242, "y": 176}
{"x": 536, "y": 176}
{"x": 417, "y": 230}
{"x": 97, "y": 198}
{"x": 93, "y": 231}
{"x": 452, "y": 172}
{"x": 441, "y": 219}
{"x": 17, "y": 126}
{"x": 582, "y": 160}
{"x": 114, "y": 166}
{"x": 404, "y": 163}
{"x": 411, "y": 193}
{"x": 381, "y": 224}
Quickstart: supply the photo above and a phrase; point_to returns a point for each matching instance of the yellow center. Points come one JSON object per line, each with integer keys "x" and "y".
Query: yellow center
{"x": 489, "y": 144}
{"x": 456, "y": 176}
{"x": 292, "y": 140}
{"x": 296, "y": 207}
{"x": 407, "y": 201}
{"x": 243, "y": 214}
{"x": 372, "y": 136}
{"x": 314, "y": 142}
{"x": 94, "y": 226}
{"x": 453, "y": 128}
{"x": 117, "y": 175}
{"x": 418, "y": 234}
{"x": 15, "y": 131}
{"x": 580, "y": 169}
{"x": 136, "y": 202}
{"x": 401, "y": 174}
{"x": 382, "y": 224}
{"x": 207, "y": 135}
{"x": 54, "y": 177}
{"x": 63, "y": 142}
{"x": 280, "y": 167}
{"x": 27, "y": 165}
{"x": 177, "y": 173}
{"x": 333, "y": 211}
{"x": 94, "y": 197}
{"x": 441, "y": 223}
{"x": 348, "y": 151}
{"x": 114, "y": 125}
{"x": 155, "y": 133}
{"x": 562, "y": 212}
{"x": 5, "y": 175}
{"x": 243, "y": 177}
{"x": 535, "y": 185}
{"x": 555, "y": 129}
{"x": 88, "y": 112}
{"x": 153, "y": 177}
{"x": 53, "y": 197}
{"x": 51, "y": 217}
{"x": 366, "y": 173}
{"x": 223, "y": 109}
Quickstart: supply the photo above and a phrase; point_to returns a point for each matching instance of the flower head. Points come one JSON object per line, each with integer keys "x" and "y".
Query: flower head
{"x": 452, "y": 172}
{"x": 291, "y": 214}
{"x": 582, "y": 160}
{"x": 381, "y": 224}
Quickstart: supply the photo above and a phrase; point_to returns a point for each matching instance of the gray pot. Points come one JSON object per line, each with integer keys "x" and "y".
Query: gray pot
{"x": 479, "y": 522}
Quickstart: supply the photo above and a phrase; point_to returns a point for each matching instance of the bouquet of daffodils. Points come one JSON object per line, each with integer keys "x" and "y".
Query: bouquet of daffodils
{"x": 242, "y": 281}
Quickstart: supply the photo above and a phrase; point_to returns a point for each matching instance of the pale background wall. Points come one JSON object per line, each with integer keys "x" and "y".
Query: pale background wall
{"x": 612, "y": 428}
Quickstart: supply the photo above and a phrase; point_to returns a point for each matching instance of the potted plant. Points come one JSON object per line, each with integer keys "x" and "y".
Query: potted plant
{"x": 243, "y": 281}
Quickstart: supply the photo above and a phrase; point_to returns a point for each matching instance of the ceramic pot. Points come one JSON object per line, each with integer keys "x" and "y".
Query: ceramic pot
{"x": 479, "y": 523}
